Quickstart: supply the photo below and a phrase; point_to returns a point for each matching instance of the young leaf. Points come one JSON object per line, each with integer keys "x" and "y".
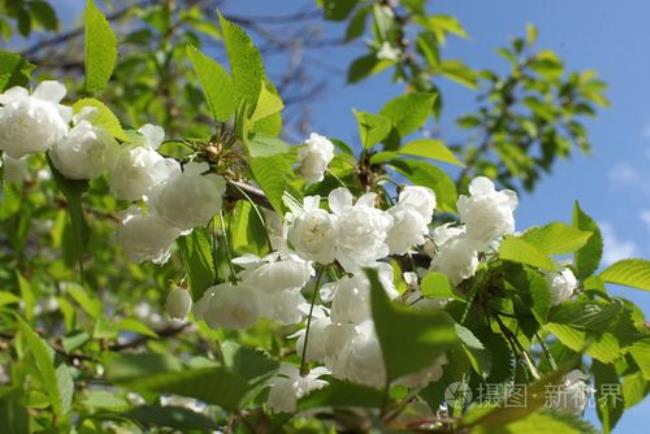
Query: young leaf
{"x": 372, "y": 128}
{"x": 430, "y": 148}
{"x": 425, "y": 174}
{"x": 587, "y": 258}
{"x": 101, "y": 48}
{"x": 104, "y": 117}
{"x": 409, "y": 112}
{"x": 419, "y": 339}
{"x": 556, "y": 238}
{"x": 268, "y": 103}
{"x": 364, "y": 66}
{"x": 609, "y": 406}
{"x": 629, "y": 272}
{"x": 56, "y": 381}
{"x": 14, "y": 70}
{"x": 217, "y": 84}
{"x": 245, "y": 63}
{"x": 196, "y": 254}
{"x": 436, "y": 285}
{"x": 518, "y": 250}
{"x": 270, "y": 174}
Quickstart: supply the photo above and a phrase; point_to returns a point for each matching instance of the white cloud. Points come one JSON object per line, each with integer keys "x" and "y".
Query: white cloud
{"x": 624, "y": 173}
{"x": 644, "y": 216}
{"x": 616, "y": 248}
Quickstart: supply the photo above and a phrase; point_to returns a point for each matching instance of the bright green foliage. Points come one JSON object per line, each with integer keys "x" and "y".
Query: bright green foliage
{"x": 429, "y": 148}
{"x": 521, "y": 251}
{"x": 217, "y": 85}
{"x": 103, "y": 118}
{"x": 101, "y": 49}
{"x": 419, "y": 339}
{"x": 556, "y": 238}
{"x": 587, "y": 258}
{"x": 629, "y": 272}
{"x": 196, "y": 252}
{"x": 372, "y": 128}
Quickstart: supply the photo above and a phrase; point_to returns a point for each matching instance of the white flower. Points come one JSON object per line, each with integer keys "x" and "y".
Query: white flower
{"x": 229, "y": 306}
{"x": 312, "y": 231}
{"x": 315, "y": 156}
{"x": 145, "y": 237}
{"x": 32, "y": 123}
{"x": 456, "y": 256}
{"x": 318, "y": 335}
{"x": 86, "y": 151}
{"x": 408, "y": 229}
{"x": 572, "y": 395}
{"x": 139, "y": 169}
{"x": 561, "y": 285}
{"x": 487, "y": 213}
{"x": 15, "y": 169}
{"x": 388, "y": 52}
{"x": 178, "y": 303}
{"x": 286, "y": 307}
{"x": 360, "y": 229}
{"x": 288, "y": 386}
{"x": 360, "y": 358}
{"x": 275, "y": 272}
{"x": 351, "y": 295}
{"x": 188, "y": 199}
{"x": 422, "y": 199}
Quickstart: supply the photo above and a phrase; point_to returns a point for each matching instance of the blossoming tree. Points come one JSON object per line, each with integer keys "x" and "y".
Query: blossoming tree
{"x": 214, "y": 278}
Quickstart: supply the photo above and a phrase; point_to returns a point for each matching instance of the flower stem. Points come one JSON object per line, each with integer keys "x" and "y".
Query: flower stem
{"x": 303, "y": 359}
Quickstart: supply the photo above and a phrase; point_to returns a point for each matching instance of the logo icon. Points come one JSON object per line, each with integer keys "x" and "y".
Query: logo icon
{"x": 458, "y": 394}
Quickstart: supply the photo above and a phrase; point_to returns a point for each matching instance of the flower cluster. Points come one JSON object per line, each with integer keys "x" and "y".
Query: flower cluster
{"x": 80, "y": 148}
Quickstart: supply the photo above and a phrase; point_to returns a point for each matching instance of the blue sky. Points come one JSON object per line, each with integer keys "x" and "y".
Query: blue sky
{"x": 613, "y": 184}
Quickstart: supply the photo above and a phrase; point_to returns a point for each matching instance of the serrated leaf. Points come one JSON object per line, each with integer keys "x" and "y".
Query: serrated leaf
{"x": 479, "y": 357}
{"x": 437, "y": 285}
{"x": 418, "y": 341}
{"x": 430, "y": 148}
{"x": 543, "y": 422}
{"x": 104, "y": 117}
{"x": 218, "y": 86}
{"x": 629, "y": 272}
{"x": 372, "y": 128}
{"x": 634, "y": 389}
{"x": 56, "y": 380}
{"x": 608, "y": 406}
{"x": 270, "y": 174}
{"x": 604, "y": 348}
{"x": 268, "y": 103}
{"x": 518, "y": 250}
{"x": 196, "y": 254}
{"x": 409, "y": 112}
{"x": 245, "y": 61}
{"x": 101, "y": 48}
{"x": 556, "y": 238}
{"x": 587, "y": 258}
{"x": 640, "y": 352}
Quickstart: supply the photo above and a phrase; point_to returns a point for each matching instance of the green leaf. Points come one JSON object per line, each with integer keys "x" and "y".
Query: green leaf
{"x": 262, "y": 145}
{"x": 177, "y": 418}
{"x": 245, "y": 63}
{"x": 101, "y": 48}
{"x": 634, "y": 389}
{"x": 249, "y": 363}
{"x": 479, "y": 357}
{"x": 127, "y": 367}
{"x": 640, "y": 352}
{"x": 270, "y": 174}
{"x": 27, "y": 295}
{"x": 425, "y": 174}
{"x": 14, "y": 70}
{"x": 196, "y": 254}
{"x": 518, "y": 250}
{"x": 437, "y": 285}
{"x": 268, "y": 103}
{"x": 587, "y": 258}
{"x": 14, "y": 417}
{"x": 134, "y": 325}
{"x": 409, "y": 112}
{"x": 90, "y": 304}
{"x": 342, "y": 394}
{"x": 56, "y": 380}
{"x": 441, "y": 25}
{"x": 218, "y": 86}
{"x": 356, "y": 25}
{"x": 419, "y": 339}
{"x": 364, "y": 66}
{"x": 338, "y": 10}
{"x": 556, "y": 238}
{"x": 543, "y": 422}
{"x": 430, "y": 148}
{"x": 629, "y": 272}
{"x": 212, "y": 385}
{"x": 248, "y": 232}
{"x": 459, "y": 72}
{"x": 609, "y": 406}
{"x": 44, "y": 14}
{"x": 604, "y": 348}
{"x": 372, "y": 128}
{"x": 104, "y": 117}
